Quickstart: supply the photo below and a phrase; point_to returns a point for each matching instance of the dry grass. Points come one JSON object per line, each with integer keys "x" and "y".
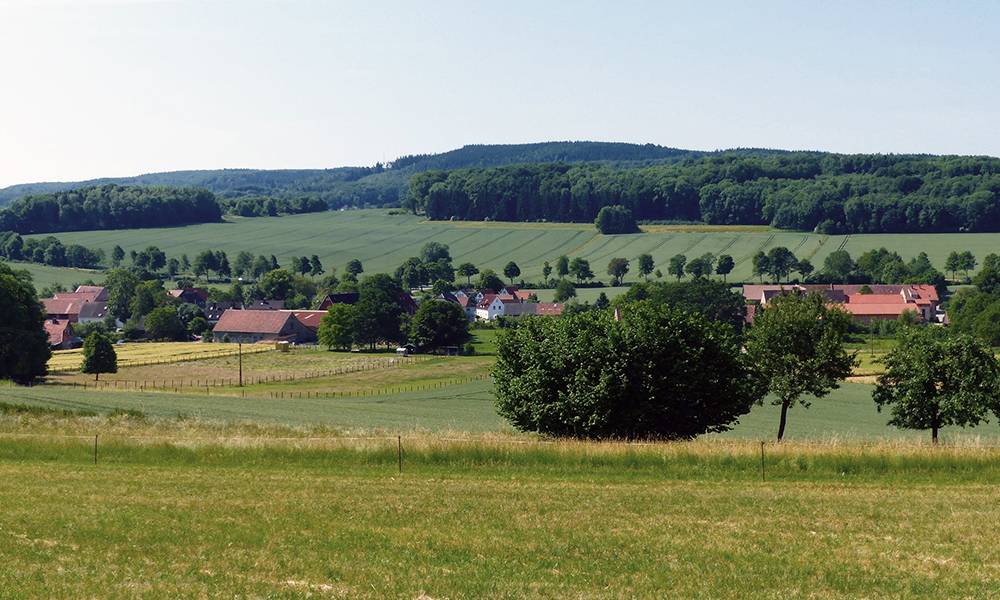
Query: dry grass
{"x": 203, "y": 510}
{"x": 162, "y": 353}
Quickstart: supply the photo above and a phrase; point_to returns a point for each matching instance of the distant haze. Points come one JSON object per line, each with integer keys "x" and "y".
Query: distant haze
{"x": 121, "y": 87}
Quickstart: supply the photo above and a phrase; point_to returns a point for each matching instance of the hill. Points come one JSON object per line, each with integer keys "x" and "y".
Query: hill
{"x": 379, "y": 185}
{"x": 383, "y": 242}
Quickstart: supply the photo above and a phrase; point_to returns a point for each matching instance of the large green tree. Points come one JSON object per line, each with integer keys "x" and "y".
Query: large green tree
{"x": 617, "y": 268}
{"x": 438, "y": 324}
{"x": 797, "y": 346}
{"x": 99, "y": 355}
{"x": 336, "y": 329}
{"x": 164, "y": 324}
{"x": 657, "y": 372}
{"x": 378, "y": 316}
{"x": 24, "y": 344}
{"x": 933, "y": 380}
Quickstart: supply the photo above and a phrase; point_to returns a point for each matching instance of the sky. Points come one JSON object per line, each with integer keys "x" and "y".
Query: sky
{"x": 94, "y": 88}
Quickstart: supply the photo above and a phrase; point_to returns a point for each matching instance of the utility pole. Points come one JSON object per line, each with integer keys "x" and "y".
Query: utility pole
{"x": 240, "y": 346}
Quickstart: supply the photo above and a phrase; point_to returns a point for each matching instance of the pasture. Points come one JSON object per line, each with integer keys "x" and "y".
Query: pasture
{"x": 382, "y": 241}
{"x": 189, "y": 514}
{"x": 443, "y": 402}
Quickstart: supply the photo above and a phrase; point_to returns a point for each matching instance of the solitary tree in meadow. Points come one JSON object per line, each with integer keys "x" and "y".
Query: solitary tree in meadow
{"x": 676, "y": 266}
{"x": 511, "y": 270}
{"x": 580, "y": 268}
{"x": 99, "y": 355}
{"x": 546, "y": 271}
{"x": 467, "y": 270}
{"x": 617, "y": 268}
{"x": 724, "y": 266}
{"x": 562, "y": 266}
{"x": 646, "y": 265}
{"x": 933, "y": 380}
{"x": 797, "y": 346}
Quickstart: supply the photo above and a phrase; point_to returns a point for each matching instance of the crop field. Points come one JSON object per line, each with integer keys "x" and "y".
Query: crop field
{"x": 45, "y": 276}
{"x": 383, "y": 241}
{"x": 192, "y": 514}
{"x": 153, "y": 353}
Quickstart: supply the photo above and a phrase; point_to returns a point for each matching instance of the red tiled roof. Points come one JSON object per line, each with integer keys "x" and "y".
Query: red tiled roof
{"x": 309, "y": 318}
{"x": 876, "y": 299}
{"x": 552, "y": 309}
{"x": 871, "y": 310}
{"x": 57, "y": 329}
{"x": 252, "y": 321}
{"x": 62, "y": 306}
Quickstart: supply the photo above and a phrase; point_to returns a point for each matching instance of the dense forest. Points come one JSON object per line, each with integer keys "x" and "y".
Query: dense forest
{"x": 830, "y": 193}
{"x": 110, "y": 207}
{"x": 261, "y": 206}
{"x": 379, "y": 185}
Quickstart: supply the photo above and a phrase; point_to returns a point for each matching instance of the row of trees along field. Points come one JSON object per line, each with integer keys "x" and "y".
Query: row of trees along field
{"x": 830, "y": 193}
{"x": 670, "y": 362}
{"x": 110, "y": 207}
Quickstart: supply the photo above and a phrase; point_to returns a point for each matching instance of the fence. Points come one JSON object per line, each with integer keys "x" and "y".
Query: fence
{"x": 218, "y": 382}
{"x": 177, "y": 358}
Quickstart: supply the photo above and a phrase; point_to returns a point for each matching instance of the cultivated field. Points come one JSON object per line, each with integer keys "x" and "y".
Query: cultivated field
{"x": 383, "y": 241}
{"x": 198, "y": 513}
{"x": 153, "y": 353}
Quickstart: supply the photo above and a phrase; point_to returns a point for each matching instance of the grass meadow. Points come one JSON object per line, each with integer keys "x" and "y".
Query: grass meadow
{"x": 384, "y": 241}
{"x": 187, "y": 513}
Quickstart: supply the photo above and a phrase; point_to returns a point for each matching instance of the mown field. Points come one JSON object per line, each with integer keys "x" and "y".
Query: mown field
{"x": 383, "y": 241}
{"x": 153, "y": 353}
{"x": 192, "y": 515}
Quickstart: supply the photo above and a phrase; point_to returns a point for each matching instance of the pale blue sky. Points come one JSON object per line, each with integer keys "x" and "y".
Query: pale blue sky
{"x": 100, "y": 88}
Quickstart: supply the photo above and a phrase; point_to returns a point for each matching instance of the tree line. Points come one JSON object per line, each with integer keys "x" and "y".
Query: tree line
{"x": 829, "y": 193}
{"x": 671, "y": 362}
{"x": 110, "y": 207}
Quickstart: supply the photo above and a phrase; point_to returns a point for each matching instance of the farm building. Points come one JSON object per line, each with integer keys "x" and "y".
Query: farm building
{"x": 60, "y": 332}
{"x": 309, "y": 318}
{"x": 251, "y": 326}
{"x": 191, "y": 295}
{"x": 492, "y": 307}
{"x": 88, "y": 303}
{"x": 866, "y": 303}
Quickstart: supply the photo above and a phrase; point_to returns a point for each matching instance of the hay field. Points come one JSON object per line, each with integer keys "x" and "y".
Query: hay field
{"x": 135, "y": 354}
{"x": 187, "y": 514}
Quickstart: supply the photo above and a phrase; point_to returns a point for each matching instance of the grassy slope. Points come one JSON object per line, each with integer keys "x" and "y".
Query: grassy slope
{"x": 382, "y": 242}
{"x": 847, "y": 414}
{"x": 481, "y": 521}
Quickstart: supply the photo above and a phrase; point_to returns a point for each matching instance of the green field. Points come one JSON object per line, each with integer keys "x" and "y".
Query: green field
{"x": 268, "y": 518}
{"x": 848, "y": 414}
{"x": 383, "y": 241}
{"x": 45, "y": 276}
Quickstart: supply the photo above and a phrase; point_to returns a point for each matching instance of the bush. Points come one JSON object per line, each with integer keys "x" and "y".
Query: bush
{"x": 657, "y": 373}
{"x": 615, "y": 219}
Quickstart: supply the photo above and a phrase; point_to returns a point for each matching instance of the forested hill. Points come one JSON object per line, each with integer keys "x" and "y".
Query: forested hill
{"x": 380, "y": 185}
{"x": 831, "y": 193}
{"x": 110, "y": 207}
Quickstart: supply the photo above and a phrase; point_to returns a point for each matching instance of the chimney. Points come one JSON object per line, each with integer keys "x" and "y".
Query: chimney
{"x": 618, "y": 314}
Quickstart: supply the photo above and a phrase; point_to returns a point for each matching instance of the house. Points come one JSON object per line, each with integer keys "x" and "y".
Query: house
{"x": 191, "y": 295}
{"x": 215, "y": 310}
{"x": 463, "y": 300}
{"x": 493, "y": 307}
{"x": 60, "y": 332}
{"x": 866, "y": 303}
{"x": 68, "y": 305}
{"x": 90, "y": 293}
{"x": 309, "y": 318}
{"x": 63, "y": 309}
{"x": 266, "y": 305}
{"x": 515, "y": 292}
{"x": 92, "y": 312}
{"x": 251, "y": 326}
